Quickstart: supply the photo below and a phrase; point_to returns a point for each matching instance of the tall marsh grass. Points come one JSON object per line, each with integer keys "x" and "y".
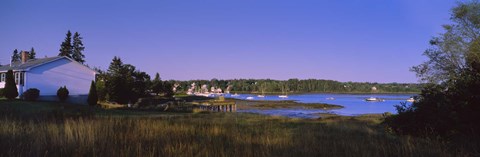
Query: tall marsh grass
{"x": 213, "y": 134}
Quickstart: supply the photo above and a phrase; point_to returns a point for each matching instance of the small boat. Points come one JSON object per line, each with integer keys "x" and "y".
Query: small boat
{"x": 249, "y": 98}
{"x": 330, "y": 98}
{"x": 235, "y": 94}
{"x": 261, "y": 96}
{"x": 284, "y": 92}
{"x": 411, "y": 100}
{"x": 372, "y": 99}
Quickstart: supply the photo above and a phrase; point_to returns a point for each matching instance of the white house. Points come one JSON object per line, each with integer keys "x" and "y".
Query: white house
{"x": 49, "y": 74}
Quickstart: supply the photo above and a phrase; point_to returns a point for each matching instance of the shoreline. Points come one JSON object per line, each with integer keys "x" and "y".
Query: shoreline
{"x": 300, "y": 93}
{"x": 286, "y": 104}
{"x": 292, "y": 104}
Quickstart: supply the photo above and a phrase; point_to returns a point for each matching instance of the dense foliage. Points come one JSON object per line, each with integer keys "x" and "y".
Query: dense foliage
{"x": 296, "y": 85}
{"x": 10, "y": 90}
{"x": 92, "y": 95}
{"x": 31, "y": 94}
{"x": 62, "y": 93}
{"x": 447, "y": 109}
{"x": 450, "y": 105}
{"x": 167, "y": 89}
{"x": 161, "y": 87}
{"x": 123, "y": 83}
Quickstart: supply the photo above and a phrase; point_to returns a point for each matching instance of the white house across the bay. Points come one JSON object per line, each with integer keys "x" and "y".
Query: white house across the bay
{"x": 49, "y": 74}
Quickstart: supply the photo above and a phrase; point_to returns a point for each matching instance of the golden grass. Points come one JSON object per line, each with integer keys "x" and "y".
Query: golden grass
{"x": 56, "y": 129}
{"x": 212, "y": 134}
{"x": 107, "y": 105}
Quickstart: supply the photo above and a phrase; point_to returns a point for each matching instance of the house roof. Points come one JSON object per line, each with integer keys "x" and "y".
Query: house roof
{"x": 18, "y": 66}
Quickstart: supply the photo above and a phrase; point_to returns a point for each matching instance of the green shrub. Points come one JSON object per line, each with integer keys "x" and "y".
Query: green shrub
{"x": 31, "y": 94}
{"x": 10, "y": 90}
{"x": 92, "y": 95}
{"x": 1, "y": 92}
{"x": 62, "y": 93}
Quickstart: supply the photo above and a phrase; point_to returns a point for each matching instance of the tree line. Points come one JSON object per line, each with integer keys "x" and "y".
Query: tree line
{"x": 301, "y": 86}
{"x": 123, "y": 83}
{"x": 71, "y": 47}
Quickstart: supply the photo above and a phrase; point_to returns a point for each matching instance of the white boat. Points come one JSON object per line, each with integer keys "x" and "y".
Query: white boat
{"x": 330, "y": 98}
{"x": 261, "y": 96}
{"x": 284, "y": 91}
{"x": 235, "y": 94}
{"x": 249, "y": 98}
{"x": 373, "y": 99}
{"x": 411, "y": 100}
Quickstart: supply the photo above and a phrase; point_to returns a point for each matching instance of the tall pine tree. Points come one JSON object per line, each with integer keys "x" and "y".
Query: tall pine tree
{"x": 66, "y": 46}
{"x": 92, "y": 95}
{"x": 32, "y": 54}
{"x": 10, "y": 89}
{"x": 157, "y": 84}
{"x": 78, "y": 48}
{"x": 15, "y": 56}
{"x": 116, "y": 84}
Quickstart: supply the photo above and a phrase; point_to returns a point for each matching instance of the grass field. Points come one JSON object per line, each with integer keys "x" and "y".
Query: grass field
{"x": 55, "y": 129}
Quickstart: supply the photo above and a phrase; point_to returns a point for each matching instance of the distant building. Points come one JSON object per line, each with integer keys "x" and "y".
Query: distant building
{"x": 374, "y": 88}
{"x": 49, "y": 74}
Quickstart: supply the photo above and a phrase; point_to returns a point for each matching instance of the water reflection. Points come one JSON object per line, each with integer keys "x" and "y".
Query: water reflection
{"x": 354, "y": 104}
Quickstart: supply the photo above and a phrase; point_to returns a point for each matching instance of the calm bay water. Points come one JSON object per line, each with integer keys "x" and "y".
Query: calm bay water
{"x": 354, "y": 104}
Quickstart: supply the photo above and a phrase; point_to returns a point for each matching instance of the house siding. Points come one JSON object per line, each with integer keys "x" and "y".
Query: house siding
{"x": 63, "y": 72}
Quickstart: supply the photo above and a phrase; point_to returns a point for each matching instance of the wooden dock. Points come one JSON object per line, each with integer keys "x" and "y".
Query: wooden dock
{"x": 216, "y": 106}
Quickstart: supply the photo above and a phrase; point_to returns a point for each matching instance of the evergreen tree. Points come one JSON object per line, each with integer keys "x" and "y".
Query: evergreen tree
{"x": 10, "y": 90}
{"x": 66, "y": 46}
{"x": 115, "y": 67}
{"x": 15, "y": 56}
{"x": 92, "y": 95}
{"x": 137, "y": 82}
{"x": 157, "y": 84}
{"x": 123, "y": 83}
{"x": 77, "y": 53}
{"x": 116, "y": 83}
{"x": 32, "y": 54}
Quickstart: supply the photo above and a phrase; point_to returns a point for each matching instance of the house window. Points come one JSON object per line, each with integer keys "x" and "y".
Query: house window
{"x": 17, "y": 76}
{"x": 22, "y": 78}
{"x": 2, "y": 77}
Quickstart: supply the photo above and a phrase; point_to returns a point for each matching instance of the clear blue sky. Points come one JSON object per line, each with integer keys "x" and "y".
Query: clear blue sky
{"x": 345, "y": 40}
